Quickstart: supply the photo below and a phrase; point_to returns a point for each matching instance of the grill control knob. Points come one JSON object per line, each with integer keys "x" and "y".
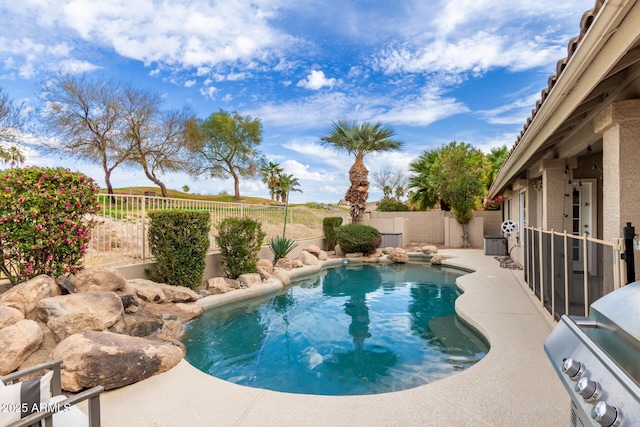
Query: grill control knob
{"x": 572, "y": 368}
{"x": 588, "y": 389}
{"x": 606, "y": 415}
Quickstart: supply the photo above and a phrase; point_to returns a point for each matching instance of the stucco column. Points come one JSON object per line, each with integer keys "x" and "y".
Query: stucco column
{"x": 619, "y": 124}
{"x": 556, "y": 206}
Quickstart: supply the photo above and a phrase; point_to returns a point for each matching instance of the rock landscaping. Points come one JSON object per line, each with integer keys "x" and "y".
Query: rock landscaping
{"x": 113, "y": 332}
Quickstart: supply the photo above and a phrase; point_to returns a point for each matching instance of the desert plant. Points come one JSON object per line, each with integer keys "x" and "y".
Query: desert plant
{"x": 358, "y": 238}
{"x": 281, "y": 246}
{"x": 239, "y": 241}
{"x": 179, "y": 240}
{"x": 329, "y": 225}
{"x": 45, "y": 221}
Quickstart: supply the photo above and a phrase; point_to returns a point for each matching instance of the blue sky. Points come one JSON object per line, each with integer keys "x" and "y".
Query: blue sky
{"x": 437, "y": 71}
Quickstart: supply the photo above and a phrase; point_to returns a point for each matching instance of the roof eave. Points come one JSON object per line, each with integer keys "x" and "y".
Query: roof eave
{"x": 588, "y": 65}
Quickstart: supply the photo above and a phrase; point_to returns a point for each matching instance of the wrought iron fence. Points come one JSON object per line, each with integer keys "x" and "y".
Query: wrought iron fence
{"x": 120, "y": 235}
{"x": 568, "y": 272}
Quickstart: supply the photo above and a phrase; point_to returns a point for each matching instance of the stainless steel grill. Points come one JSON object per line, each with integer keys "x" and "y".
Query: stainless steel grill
{"x": 598, "y": 360}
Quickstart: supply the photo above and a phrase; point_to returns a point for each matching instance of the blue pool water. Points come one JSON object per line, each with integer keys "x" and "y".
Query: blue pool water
{"x": 351, "y": 330}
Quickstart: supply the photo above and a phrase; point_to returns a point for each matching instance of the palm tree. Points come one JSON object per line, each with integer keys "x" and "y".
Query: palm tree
{"x": 270, "y": 173}
{"x": 286, "y": 184}
{"x": 424, "y": 195}
{"x": 360, "y": 140}
{"x": 13, "y": 156}
{"x": 495, "y": 158}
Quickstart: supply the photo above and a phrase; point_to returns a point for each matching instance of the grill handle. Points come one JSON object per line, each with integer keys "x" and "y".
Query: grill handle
{"x": 585, "y": 322}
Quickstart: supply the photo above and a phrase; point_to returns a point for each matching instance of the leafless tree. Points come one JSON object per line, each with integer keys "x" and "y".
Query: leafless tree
{"x": 159, "y": 138}
{"x": 112, "y": 123}
{"x": 85, "y": 116}
{"x": 12, "y": 122}
{"x": 12, "y": 119}
{"x": 391, "y": 182}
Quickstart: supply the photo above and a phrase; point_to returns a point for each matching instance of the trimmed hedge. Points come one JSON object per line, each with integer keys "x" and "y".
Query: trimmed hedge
{"x": 179, "y": 240}
{"x": 391, "y": 205}
{"x": 329, "y": 225}
{"x": 358, "y": 238}
{"x": 239, "y": 241}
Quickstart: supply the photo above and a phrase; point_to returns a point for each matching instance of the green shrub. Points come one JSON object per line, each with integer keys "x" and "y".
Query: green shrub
{"x": 358, "y": 238}
{"x": 329, "y": 225}
{"x": 239, "y": 241}
{"x": 391, "y": 205}
{"x": 45, "y": 221}
{"x": 281, "y": 246}
{"x": 179, "y": 240}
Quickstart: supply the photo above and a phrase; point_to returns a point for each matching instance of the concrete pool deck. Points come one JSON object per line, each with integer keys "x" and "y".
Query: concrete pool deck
{"x": 514, "y": 385}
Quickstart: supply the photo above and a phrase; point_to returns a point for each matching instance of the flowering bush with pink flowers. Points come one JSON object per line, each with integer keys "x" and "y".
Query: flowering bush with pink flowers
{"x": 45, "y": 221}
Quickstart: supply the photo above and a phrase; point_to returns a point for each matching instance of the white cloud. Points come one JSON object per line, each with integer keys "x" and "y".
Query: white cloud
{"x": 76, "y": 66}
{"x": 189, "y": 83}
{"x": 209, "y": 92}
{"x": 316, "y": 80}
{"x": 304, "y": 113}
{"x": 422, "y": 111}
{"x": 24, "y": 55}
{"x": 476, "y": 54}
{"x": 181, "y": 33}
{"x": 515, "y": 112}
{"x": 318, "y": 154}
{"x": 303, "y": 172}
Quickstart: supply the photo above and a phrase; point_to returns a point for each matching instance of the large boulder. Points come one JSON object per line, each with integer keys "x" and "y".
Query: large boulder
{"x": 19, "y": 341}
{"x": 173, "y": 327}
{"x": 322, "y": 256}
{"x": 175, "y": 293}
{"x": 313, "y": 250}
{"x": 220, "y": 285}
{"x": 308, "y": 258}
{"x": 267, "y": 264}
{"x": 26, "y": 295}
{"x": 105, "y": 307}
{"x": 184, "y": 312}
{"x": 437, "y": 260}
{"x": 73, "y": 323}
{"x": 112, "y": 360}
{"x": 398, "y": 255}
{"x": 9, "y": 316}
{"x": 282, "y": 275}
{"x": 284, "y": 263}
{"x": 147, "y": 290}
{"x": 264, "y": 272}
{"x": 264, "y": 268}
{"x": 99, "y": 279}
{"x": 250, "y": 279}
{"x": 144, "y": 323}
{"x": 151, "y": 291}
{"x": 429, "y": 249}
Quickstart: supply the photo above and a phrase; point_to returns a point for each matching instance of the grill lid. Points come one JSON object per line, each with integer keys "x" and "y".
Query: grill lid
{"x": 619, "y": 310}
{"x": 617, "y": 316}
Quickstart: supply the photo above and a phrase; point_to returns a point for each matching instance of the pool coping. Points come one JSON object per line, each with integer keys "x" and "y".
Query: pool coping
{"x": 513, "y": 385}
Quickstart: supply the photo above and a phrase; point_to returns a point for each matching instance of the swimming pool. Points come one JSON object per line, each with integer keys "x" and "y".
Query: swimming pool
{"x": 350, "y": 330}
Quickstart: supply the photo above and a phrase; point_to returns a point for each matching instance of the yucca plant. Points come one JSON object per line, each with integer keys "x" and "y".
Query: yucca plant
{"x": 281, "y": 246}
